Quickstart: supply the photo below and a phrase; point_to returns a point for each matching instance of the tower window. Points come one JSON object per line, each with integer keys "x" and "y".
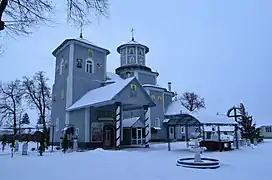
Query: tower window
{"x": 57, "y": 124}
{"x": 62, "y": 66}
{"x": 141, "y": 52}
{"x": 89, "y": 68}
{"x": 131, "y": 51}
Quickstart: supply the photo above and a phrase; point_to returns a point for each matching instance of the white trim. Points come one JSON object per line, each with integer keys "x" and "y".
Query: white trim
{"x": 61, "y": 65}
{"x": 87, "y": 125}
{"x": 153, "y": 88}
{"x": 87, "y": 62}
{"x": 163, "y": 108}
{"x": 136, "y": 53}
{"x": 67, "y": 118}
{"x": 69, "y": 87}
{"x": 136, "y": 74}
{"x": 57, "y": 125}
{"x": 126, "y": 56}
{"x": 105, "y": 67}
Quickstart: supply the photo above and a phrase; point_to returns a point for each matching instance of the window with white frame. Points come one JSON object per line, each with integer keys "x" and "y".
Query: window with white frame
{"x": 89, "y": 67}
{"x": 77, "y": 131}
{"x": 158, "y": 122}
{"x": 57, "y": 124}
{"x": 182, "y": 129}
{"x": 62, "y": 66}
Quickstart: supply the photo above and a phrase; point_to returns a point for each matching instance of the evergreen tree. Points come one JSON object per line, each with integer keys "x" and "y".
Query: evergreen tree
{"x": 65, "y": 143}
{"x": 39, "y": 121}
{"x": 25, "y": 119}
{"x": 42, "y": 147}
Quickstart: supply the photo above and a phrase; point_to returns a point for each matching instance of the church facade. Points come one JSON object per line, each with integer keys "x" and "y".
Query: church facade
{"x": 104, "y": 109}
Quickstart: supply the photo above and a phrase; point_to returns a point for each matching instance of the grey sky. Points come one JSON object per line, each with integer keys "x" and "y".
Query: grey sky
{"x": 218, "y": 49}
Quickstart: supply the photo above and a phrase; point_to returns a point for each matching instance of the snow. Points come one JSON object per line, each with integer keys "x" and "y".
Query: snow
{"x": 175, "y": 108}
{"x": 154, "y": 163}
{"x": 222, "y": 128}
{"x": 101, "y": 94}
{"x": 133, "y": 121}
{"x": 203, "y": 117}
{"x": 85, "y": 41}
{"x": 114, "y": 77}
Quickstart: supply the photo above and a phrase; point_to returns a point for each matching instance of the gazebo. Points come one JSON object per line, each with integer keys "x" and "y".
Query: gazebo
{"x": 177, "y": 115}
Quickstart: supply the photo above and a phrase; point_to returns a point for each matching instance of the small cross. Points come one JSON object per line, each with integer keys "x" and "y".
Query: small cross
{"x": 81, "y": 31}
{"x": 132, "y": 33}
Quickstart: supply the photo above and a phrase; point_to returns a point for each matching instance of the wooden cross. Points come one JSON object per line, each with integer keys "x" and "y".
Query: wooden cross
{"x": 132, "y": 33}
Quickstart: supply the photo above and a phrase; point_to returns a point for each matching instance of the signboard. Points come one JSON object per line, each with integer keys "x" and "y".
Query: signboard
{"x": 97, "y": 132}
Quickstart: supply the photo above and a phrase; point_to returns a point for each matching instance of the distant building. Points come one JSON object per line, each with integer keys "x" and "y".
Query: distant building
{"x": 266, "y": 131}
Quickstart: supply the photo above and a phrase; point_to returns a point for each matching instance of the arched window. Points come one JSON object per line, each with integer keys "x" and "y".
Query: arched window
{"x": 62, "y": 66}
{"x": 89, "y": 67}
{"x": 158, "y": 122}
{"x": 131, "y": 50}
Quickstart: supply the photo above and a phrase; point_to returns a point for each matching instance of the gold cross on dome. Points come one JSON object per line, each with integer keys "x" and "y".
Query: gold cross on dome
{"x": 132, "y": 33}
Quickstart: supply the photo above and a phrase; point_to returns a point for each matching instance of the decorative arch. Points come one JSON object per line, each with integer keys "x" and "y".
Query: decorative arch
{"x": 89, "y": 66}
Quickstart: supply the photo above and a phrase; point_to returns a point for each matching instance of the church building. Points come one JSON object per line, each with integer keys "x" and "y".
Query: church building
{"x": 109, "y": 110}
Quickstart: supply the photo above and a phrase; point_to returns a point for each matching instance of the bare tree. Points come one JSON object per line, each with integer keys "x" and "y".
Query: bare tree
{"x": 20, "y": 16}
{"x": 38, "y": 96}
{"x": 1, "y": 50}
{"x": 191, "y": 101}
{"x": 11, "y": 95}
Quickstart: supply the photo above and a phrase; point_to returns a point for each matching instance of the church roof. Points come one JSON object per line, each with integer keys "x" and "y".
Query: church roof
{"x": 132, "y": 42}
{"x": 102, "y": 94}
{"x": 175, "y": 108}
{"x": 132, "y": 122}
{"x": 112, "y": 77}
{"x": 66, "y": 42}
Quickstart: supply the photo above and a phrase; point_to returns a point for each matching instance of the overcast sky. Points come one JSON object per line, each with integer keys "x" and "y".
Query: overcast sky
{"x": 219, "y": 49}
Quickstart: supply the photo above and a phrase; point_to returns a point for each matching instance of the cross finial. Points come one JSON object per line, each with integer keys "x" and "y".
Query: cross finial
{"x": 81, "y": 31}
{"x": 132, "y": 33}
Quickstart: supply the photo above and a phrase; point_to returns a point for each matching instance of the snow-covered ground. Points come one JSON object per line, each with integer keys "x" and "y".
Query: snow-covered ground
{"x": 155, "y": 163}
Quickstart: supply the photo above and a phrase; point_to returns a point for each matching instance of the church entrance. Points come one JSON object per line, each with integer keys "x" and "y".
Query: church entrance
{"x": 108, "y": 134}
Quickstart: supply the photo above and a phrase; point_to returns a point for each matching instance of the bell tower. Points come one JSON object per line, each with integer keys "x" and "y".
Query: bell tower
{"x": 132, "y": 53}
{"x": 133, "y": 62}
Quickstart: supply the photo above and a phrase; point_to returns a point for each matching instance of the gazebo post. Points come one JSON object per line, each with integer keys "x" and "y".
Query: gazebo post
{"x": 186, "y": 135}
{"x": 219, "y": 138}
{"x": 203, "y": 131}
{"x": 236, "y": 136}
{"x": 168, "y": 139}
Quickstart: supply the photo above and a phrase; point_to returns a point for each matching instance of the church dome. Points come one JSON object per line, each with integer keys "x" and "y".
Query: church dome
{"x": 131, "y": 44}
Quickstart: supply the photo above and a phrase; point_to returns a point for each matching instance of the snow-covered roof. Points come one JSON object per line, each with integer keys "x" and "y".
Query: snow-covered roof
{"x": 175, "y": 108}
{"x": 113, "y": 77}
{"x": 65, "y": 43}
{"x": 101, "y": 94}
{"x": 132, "y": 122}
{"x": 85, "y": 41}
{"x": 154, "y": 86}
{"x": 216, "y": 119}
